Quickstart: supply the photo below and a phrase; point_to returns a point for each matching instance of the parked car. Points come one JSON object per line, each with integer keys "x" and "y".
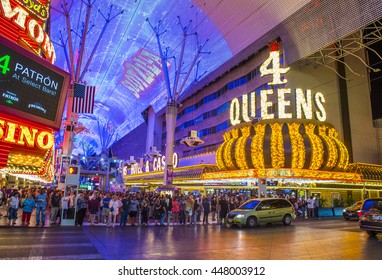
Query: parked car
{"x": 351, "y": 212}
{"x": 371, "y": 216}
{"x": 262, "y": 211}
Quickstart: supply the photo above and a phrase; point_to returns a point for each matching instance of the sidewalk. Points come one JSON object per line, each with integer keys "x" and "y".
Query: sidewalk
{"x": 4, "y": 222}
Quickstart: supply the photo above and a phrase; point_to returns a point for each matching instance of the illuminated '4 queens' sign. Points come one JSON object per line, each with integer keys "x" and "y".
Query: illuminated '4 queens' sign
{"x": 245, "y": 110}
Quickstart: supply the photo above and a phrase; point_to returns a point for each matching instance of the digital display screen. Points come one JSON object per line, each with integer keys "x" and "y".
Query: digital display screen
{"x": 30, "y": 87}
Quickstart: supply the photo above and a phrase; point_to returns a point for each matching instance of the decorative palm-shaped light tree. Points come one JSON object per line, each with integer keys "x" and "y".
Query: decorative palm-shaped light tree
{"x": 181, "y": 74}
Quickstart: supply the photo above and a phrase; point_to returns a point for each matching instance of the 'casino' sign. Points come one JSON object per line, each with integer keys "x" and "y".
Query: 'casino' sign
{"x": 19, "y": 134}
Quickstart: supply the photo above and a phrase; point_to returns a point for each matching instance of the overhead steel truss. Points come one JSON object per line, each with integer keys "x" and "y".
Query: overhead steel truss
{"x": 362, "y": 39}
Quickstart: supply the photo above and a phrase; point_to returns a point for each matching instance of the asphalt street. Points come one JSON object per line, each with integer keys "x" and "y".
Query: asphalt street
{"x": 324, "y": 239}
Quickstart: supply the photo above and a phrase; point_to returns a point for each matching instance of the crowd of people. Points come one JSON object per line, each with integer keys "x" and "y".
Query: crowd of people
{"x": 121, "y": 209}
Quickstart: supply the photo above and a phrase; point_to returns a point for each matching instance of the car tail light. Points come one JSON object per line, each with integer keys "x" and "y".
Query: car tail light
{"x": 359, "y": 213}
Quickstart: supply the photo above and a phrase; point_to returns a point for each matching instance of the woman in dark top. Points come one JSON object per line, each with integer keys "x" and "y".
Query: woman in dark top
{"x": 213, "y": 208}
{"x": 82, "y": 205}
{"x": 232, "y": 205}
{"x": 93, "y": 207}
{"x": 223, "y": 209}
{"x": 145, "y": 212}
{"x": 157, "y": 211}
{"x": 206, "y": 210}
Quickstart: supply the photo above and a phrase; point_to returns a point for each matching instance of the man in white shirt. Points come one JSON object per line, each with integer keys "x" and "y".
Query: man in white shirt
{"x": 310, "y": 202}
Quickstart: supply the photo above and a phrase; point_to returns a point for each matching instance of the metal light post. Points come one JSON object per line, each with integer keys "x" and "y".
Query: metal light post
{"x": 77, "y": 72}
{"x": 175, "y": 90}
{"x": 171, "y": 111}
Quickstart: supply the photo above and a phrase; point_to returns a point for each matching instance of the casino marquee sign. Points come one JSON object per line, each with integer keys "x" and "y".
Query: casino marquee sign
{"x": 23, "y": 22}
{"x": 290, "y": 139}
{"x": 26, "y": 148}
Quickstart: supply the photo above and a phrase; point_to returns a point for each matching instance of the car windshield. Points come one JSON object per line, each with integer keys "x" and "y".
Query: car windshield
{"x": 372, "y": 205}
{"x": 251, "y": 204}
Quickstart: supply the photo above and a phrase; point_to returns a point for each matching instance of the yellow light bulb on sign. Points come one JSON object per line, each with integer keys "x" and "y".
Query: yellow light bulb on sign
{"x": 276, "y": 71}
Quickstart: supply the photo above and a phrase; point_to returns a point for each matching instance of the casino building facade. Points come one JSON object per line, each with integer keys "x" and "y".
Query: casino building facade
{"x": 315, "y": 133}
{"x": 32, "y": 94}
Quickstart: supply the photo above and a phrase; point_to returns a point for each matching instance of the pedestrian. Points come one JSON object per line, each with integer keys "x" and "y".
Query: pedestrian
{"x": 82, "y": 205}
{"x": 54, "y": 204}
{"x": 105, "y": 208}
{"x": 134, "y": 207}
{"x": 168, "y": 201}
{"x": 157, "y": 211}
{"x": 42, "y": 202}
{"x": 65, "y": 206}
{"x": 72, "y": 205}
{"x": 28, "y": 206}
{"x": 145, "y": 212}
{"x": 303, "y": 208}
{"x": 93, "y": 207}
{"x": 163, "y": 211}
{"x": 316, "y": 205}
{"x": 189, "y": 209}
{"x": 223, "y": 204}
{"x": 196, "y": 211}
{"x": 213, "y": 208}
{"x": 182, "y": 210}
{"x": 175, "y": 211}
{"x": 151, "y": 202}
{"x": 125, "y": 210}
{"x": 310, "y": 202}
{"x": 13, "y": 206}
{"x": 206, "y": 210}
{"x": 9, "y": 194}
{"x": 114, "y": 206}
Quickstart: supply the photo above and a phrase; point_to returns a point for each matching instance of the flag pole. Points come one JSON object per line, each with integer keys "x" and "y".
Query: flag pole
{"x": 71, "y": 120}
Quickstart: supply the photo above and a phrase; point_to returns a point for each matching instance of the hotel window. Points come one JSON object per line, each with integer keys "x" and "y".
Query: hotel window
{"x": 223, "y": 108}
{"x": 203, "y": 116}
{"x": 231, "y": 85}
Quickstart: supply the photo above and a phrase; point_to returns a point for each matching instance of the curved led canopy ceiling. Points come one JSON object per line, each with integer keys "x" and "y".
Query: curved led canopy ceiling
{"x": 126, "y": 69}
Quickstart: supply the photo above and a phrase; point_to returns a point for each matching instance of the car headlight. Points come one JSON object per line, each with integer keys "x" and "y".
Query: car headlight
{"x": 344, "y": 210}
{"x": 240, "y": 216}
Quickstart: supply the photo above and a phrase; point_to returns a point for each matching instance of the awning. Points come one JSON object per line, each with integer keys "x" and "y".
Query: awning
{"x": 369, "y": 172}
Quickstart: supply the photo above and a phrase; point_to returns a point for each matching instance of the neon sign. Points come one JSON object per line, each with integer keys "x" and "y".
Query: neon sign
{"x": 36, "y": 7}
{"x": 245, "y": 110}
{"x": 30, "y": 25}
{"x": 23, "y": 135}
{"x": 157, "y": 165}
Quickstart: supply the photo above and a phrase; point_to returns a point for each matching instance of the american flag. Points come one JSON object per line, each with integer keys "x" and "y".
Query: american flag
{"x": 83, "y": 101}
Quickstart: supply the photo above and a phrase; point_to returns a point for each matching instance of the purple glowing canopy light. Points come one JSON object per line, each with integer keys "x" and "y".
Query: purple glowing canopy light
{"x": 126, "y": 67}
